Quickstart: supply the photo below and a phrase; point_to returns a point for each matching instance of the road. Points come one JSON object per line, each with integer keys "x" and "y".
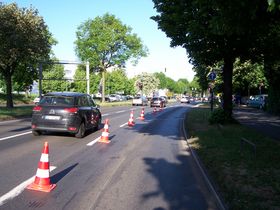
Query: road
{"x": 147, "y": 166}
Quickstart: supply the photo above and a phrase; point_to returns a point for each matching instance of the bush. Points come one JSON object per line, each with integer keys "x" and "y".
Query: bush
{"x": 218, "y": 116}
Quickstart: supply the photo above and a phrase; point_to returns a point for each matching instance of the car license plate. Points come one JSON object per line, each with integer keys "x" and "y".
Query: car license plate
{"x": 51, "y": 117}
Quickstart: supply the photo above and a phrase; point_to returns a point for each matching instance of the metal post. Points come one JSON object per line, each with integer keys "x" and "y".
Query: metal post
{"x": 212, "y": 98}
{"x": 87, "y": 76}
{"x": 40, "y": 79}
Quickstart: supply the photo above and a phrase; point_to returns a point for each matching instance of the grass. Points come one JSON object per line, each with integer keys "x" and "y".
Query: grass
{"x": 16, "y": 112}
{"x": 245, "y": 181}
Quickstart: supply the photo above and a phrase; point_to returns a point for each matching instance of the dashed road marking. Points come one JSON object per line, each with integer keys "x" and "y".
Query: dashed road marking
{"x": 123, "y": 125}
{"x": 20, "y": 134}
{"x": 93, "y": 142}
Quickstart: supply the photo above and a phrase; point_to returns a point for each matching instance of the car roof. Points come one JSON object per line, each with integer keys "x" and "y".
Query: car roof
{"x": 69, "y": 94}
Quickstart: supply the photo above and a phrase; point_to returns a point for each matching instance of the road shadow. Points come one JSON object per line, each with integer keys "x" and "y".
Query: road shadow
{"x": 150, "y": 125}
{"x": 177, "y": 184}
{"x": 58, "y": 176}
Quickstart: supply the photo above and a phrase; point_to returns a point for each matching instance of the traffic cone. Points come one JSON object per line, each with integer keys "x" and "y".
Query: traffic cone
{"x": 42, "y": 180}
{"x": 142, "y": 117}
{"x": 155, "y": 110}
{"x": 131, "y": 122}
{"x": 105, "y": 134}
{"x": 160, "y": 107}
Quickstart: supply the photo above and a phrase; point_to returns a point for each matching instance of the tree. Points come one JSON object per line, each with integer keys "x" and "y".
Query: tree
{"x": 220, "y": 31}
{"x": 106, "y": 43}
{"x": 24, "y": 38}
{"x": 182, "y": 86}
{"x": 80, "y": 84}
{"x": 146, "y": 83}
{"x": 53, "y": 79}
{"x": 248, "y": 77}
{"x": 116, "y": 81}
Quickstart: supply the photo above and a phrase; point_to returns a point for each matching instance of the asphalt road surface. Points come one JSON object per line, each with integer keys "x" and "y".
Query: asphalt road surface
{"x": 148, "y": 166}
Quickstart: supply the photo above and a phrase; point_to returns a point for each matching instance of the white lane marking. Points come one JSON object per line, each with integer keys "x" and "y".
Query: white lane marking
{"x": 18, "y": 189}
{"x": 9, "y": 121}
{"x": 123, "y": 125}
{"x": 105, "y": 115}
{"x": 120, "y": 111}
{"x": 20, "y": 134}
{"x": 93, "y": 142}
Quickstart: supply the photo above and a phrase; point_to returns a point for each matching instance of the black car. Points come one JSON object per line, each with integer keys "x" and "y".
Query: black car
{"x": 157, "y": 102}
{"x": 65, "y": 112}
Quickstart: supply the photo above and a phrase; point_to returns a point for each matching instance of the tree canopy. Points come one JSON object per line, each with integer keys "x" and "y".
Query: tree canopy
{"x": 107, "y": 43}
{"x": 25, "y": 39}
{"x": 220, "y": 31}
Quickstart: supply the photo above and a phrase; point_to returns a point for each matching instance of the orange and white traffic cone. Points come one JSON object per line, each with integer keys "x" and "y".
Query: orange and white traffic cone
{"x": 105, "y": 134}
{"x": 160, "y": 107}
{"x": 131, "y": 122}
{"x": 155, "y": 110}
{"x": 142, "y": 117}
{"x": 42, "y": 179}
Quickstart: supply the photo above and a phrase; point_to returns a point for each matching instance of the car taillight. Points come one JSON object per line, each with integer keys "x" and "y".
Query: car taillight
{"x": 71, "y": 110}
{"x": 37, "y": 108}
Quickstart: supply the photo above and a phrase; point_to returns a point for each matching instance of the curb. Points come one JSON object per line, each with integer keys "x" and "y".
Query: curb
{"x": 204, "y": 173}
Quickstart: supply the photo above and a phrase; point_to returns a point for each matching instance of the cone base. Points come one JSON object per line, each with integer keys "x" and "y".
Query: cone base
{"x": 131, "y": 124}
{"x": 104, "y": 140}
{"x": 43, "y": 188}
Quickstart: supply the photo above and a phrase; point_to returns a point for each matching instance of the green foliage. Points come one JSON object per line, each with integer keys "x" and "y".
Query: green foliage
{"x": 116, "y": 81}
{"x": 106, "y": 42}
{"x": 247, "y": 77}
{"x": 24, "y": 39}
{"x": 221, "y": 32}
{"x": 219, "y": 116}
{"x": 149, "y": 81}
{"x": 54, "y": 75}
{"x": 80, "y": 84}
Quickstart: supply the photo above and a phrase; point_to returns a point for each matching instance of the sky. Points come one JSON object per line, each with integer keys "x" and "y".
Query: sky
{"x": 64, "y": 16}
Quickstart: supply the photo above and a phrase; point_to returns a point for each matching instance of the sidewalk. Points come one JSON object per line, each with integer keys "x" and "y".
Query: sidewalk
{"x": 259, "y": 120}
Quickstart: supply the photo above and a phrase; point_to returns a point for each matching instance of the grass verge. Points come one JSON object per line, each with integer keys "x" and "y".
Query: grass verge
{"x": 16, "y": 112}
{"x": 245, "y": 181}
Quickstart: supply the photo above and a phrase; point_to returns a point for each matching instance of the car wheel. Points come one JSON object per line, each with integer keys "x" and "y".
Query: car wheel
{"x": 81, "y": 132}
{"x": 36, "y": 133}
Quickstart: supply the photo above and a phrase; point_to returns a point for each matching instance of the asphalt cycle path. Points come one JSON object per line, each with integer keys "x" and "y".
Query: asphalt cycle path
{"x": 147, "y": 166}
{"x": 259, "y": 120}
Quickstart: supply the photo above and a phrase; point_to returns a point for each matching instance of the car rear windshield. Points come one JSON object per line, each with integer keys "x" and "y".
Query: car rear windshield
{"x": 57, "y": 100}
{"x": 137, "y": 97}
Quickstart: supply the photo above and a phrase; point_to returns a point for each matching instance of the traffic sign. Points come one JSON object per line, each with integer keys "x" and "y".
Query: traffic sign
{"x": 212, "y": 75}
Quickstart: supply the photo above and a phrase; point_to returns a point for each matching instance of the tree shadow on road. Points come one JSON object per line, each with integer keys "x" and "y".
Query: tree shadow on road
{"x": 177, "y": 184}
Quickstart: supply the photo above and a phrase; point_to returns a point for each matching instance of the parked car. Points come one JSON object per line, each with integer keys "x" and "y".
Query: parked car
{"x": 114, "y": 97}
{"x": 157, "y": 102}
{"x": 65, "y": 112}
{"x": 185, "y": 99}
{"x": 258, "y": 101}
{"x": 165, "y": 99}
{"x": 140, "y": 100}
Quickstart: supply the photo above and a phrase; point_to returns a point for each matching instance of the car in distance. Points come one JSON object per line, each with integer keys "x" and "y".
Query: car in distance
{"x": 185, "y": 99}
{"x": 36, "y": 100}
{"x": 140, "y": 100}
{"x": 157, "y": 102}
{"x": 65, "y": 112}
{"x": 258, "y": 101}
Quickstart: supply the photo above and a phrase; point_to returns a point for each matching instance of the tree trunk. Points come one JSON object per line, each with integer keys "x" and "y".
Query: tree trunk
{"x": 227, "y": 86}
{"x": 103, "y": 86}
{"x": 8, "y": 80}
